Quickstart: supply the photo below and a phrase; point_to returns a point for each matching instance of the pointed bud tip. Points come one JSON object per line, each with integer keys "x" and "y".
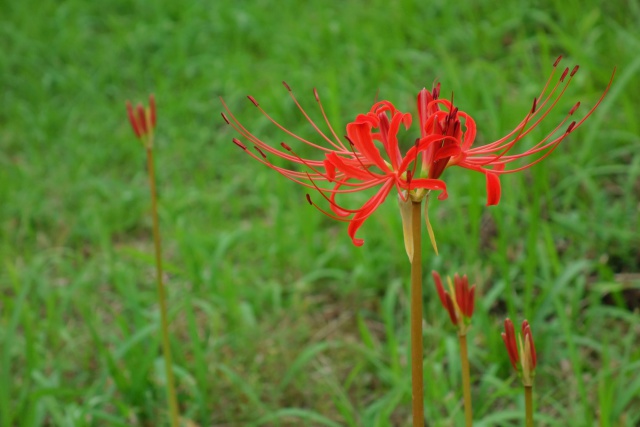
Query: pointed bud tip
{"x": 152, "y": 108}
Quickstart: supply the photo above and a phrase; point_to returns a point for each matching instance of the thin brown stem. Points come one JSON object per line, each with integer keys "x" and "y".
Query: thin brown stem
{"x": 528, "y": 404}
{"x": 417, "y": 377}
{"x": 162, "y": 296}
{"x": 466, "y": 381}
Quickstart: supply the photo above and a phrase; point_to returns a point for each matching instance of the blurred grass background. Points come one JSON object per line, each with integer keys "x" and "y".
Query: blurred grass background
{"x": 277, "y": 319}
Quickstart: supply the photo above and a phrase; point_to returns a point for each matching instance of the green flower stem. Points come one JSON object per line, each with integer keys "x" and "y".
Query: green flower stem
{"x": 162, "y": 295}
{"x": 417, "y": 376}
{"x": 528, "y": 404}
{"x": 466, "y": 381}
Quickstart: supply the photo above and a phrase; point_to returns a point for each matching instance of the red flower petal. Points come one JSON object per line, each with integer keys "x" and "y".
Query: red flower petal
{"x": 360, "y": 135}
{"x": 367, "y": 209}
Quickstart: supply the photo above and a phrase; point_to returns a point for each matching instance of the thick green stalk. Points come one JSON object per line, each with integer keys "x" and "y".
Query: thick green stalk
{"x": 466, "y": 381}
{"x": 162, "y": 295}
{"x": 528, "y": 404}
{"x": 417, "y": 377}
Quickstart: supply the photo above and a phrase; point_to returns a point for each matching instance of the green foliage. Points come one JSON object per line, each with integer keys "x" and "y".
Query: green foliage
{"x": 277, "y": 318}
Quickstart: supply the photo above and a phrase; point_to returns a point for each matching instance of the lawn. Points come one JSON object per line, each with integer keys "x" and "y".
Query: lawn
{"x": 277, "y": 318}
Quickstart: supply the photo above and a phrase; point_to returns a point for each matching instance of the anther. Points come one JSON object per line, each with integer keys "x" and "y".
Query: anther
{"x": 535, "y": 104}
{"x": 285, "y": 146}
{"x": 571, "y": 126}
{"x": 409, "y": 177}
{"x": 309, "y": 199}
{"x": 575, "y": 107}
{"x": 574, "y": 71}
{"x": 252, "y": 99}
{"x": 315, "y": 93}
{"x": 564, "y": 74}
{"x": 264, "y": 156}
{"x": 239, "y": 144}
{"x": 286, "y": 85}
{"x": 349, "y": 139}
{"x": 557, "y": 61}
{"x": 225, "y": 118}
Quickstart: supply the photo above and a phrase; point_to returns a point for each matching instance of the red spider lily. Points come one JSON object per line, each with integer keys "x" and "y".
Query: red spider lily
{"x": 446, "y": 139}
{"x": 460, "y": 307}
{"x": 352, "y": 167}
{"x": 522, "y": 354}
{"x": 459, "y": 132}
{"x": 143, "y": 120}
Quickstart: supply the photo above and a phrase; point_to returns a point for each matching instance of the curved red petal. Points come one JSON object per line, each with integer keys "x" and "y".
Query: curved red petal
{"x": 429, "y": 184}
{"x": 393, "y": 150}
{"x": 366, "y": 210}
{"x": 339, "y": 163}
{"x": 493, "y": 188}
{"x": 360, "y": 135}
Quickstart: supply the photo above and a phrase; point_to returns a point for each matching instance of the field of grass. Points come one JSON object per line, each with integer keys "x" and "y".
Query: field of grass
{"x": 277, "y": 319}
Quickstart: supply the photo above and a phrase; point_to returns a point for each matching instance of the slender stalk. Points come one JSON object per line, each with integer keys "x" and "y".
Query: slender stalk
{"x": 162, "y": 295}
{"x": 466, "y": 381}
{"x": 417, "y": 377}
{"x": 528, "y": 404}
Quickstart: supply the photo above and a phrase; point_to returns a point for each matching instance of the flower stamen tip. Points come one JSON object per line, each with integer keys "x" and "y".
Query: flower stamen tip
{"x": 252, "y": 99}
{"x": 264, "y": 156}
{"x": 239, "y": 144}
{"x": 575, "y": 107}
{"x": 557, "y": 61}
{"x": 224, "y": 116}
{"x": 574, "y": 71}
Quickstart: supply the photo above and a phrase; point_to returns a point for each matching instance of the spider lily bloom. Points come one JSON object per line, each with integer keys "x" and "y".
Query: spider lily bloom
{"x": 460, "y": 306}
{"x": 523, "y": 353}
{"x": 143, "y": 121}
{"x": 349, "y": 167}
{"x": 439, "y": 116}
{"x": 446, "y": 139}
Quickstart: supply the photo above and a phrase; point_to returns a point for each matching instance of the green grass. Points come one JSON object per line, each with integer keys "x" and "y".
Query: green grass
{"x": 278, "y": 320}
